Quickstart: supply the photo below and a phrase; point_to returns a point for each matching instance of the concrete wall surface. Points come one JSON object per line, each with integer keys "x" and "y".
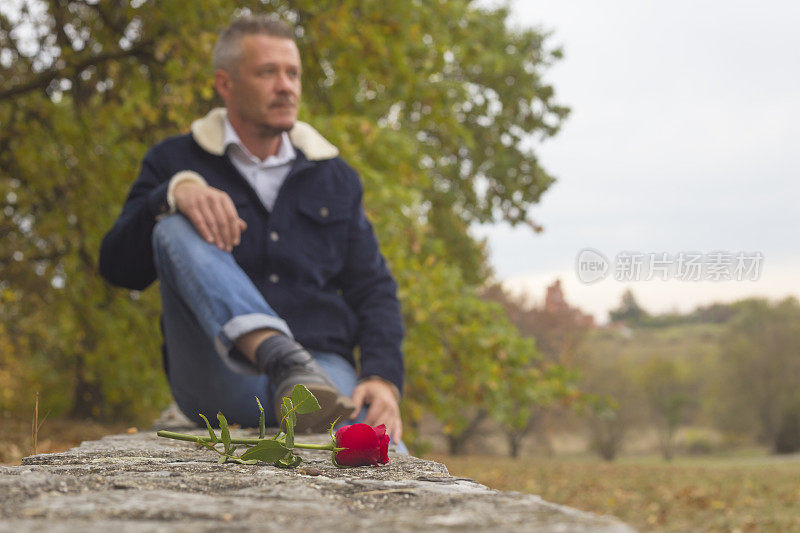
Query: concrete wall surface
{"x": 143, "y": 483}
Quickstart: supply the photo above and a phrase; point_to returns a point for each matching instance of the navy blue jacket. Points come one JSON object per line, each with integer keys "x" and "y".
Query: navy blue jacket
{"x": 333, "y": 287}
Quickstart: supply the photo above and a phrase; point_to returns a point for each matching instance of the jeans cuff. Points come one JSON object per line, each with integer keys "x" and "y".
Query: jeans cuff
{"x": 241, "y": 325}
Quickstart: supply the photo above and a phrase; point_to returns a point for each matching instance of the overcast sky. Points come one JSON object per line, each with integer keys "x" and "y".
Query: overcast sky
{"x": 684, "y": 136}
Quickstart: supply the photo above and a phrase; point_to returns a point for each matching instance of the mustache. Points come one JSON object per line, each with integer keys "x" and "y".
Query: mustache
{"x": 282, "y": 101}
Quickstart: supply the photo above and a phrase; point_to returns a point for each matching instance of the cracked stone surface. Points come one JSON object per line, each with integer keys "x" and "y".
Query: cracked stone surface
{"x": 142, "y": 483}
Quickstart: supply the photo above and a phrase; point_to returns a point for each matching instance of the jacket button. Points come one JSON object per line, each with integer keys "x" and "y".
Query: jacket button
{"x": 273, "y": 236}
{"x": 324, "y": 212}
{"x": 273, "y": 278}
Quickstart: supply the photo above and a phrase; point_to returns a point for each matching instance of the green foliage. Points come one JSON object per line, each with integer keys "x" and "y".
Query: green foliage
{"x": 715, "y": 313}
{"x": 700, "y": 441}
{"x": 733, "y": 367}
{"x": 224, "y": 431}
{"x": 787, "y": 437}
{"x": 612, "y": 404}
{"x": 277, "y": 450}
{"x": 650, "y": 378}
{"x": 629, "y": 310}
{"x": 560, "y": 331}
{"x": 432, "y": 102}
{"x": 607, "y": 428}
{"x": 261, "y": 420}
{"x": 303, "y": 401}
{"x": 669, "y": 392}
{"x": 300, "y": 402}
{"x": 211, "y": 433}
{"x": 288, "y": 420}
{"x": 268, "y": 451}
{"x": 759, "y": 368}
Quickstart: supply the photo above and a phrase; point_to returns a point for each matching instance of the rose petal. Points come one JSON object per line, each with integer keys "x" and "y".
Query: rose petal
{"x": 384, "y": 452}
{"x": 362, "y": 445}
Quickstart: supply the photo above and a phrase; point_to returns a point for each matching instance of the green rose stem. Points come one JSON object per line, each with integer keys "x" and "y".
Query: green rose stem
{"x": 278, "y": 449}
{"x": 251, "y": 441}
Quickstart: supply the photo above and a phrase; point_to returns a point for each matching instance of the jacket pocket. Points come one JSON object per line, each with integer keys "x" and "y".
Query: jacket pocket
{"x": 324, "y": 210}
{"x": 322, "y": 229}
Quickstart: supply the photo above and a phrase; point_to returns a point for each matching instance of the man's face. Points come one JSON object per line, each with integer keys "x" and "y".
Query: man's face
{"x": 265, "y": 91}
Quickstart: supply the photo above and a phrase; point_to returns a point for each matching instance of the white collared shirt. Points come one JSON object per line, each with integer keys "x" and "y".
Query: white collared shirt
{"x": 267, "y": 176}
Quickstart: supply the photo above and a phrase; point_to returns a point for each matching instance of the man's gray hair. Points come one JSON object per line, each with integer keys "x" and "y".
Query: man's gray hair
{"x": 227, "y": 51}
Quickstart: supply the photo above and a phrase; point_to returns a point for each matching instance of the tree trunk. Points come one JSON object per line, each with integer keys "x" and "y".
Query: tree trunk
{"x": 514, "y": 442}
{"x": 456, "y": 442}
{"x": 87, "y": 395}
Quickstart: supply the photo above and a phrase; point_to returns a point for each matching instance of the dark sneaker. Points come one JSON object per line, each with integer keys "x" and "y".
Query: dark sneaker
{"x": 287, "y": 364}
{"x": 333, "y": 404}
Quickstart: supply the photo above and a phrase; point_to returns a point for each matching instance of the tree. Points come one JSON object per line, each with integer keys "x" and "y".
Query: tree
{"x": 668, "y": 391}
{"x": 629, "y": 310}
{"x": 430, "y": 104}
{"x": 787, "y": 438}
{"x": 759, "y": 369}
{"x": 559, "y": 331}
{"x": 606, "y": 428}
{"x": 613, "y": 402}
{"x": 474, "y": 364}
{"x": 528, "y": 393}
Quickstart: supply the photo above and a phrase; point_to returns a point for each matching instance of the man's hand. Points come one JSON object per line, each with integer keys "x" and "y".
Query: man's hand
{"x": 212, "y": 212}
{"x": 383, "y": 406}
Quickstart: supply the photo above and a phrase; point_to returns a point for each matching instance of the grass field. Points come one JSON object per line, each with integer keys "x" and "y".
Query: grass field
{"x": 751, "y": 492}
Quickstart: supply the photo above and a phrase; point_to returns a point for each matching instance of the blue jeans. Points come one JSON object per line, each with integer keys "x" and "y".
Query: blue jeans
{"x": 207, "y": 303}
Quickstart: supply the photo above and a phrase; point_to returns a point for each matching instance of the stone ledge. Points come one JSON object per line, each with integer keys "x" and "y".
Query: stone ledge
{"x": 142, "y": 483}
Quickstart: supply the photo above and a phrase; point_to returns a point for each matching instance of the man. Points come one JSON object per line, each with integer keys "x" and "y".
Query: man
{"x": 270, "y": 273}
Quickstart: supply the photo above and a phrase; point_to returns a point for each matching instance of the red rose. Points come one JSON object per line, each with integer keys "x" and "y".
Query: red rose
{"x": 363, "y": 445}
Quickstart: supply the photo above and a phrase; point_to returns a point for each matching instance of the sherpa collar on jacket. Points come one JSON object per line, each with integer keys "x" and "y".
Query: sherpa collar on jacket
{"x": 209, "y": 133}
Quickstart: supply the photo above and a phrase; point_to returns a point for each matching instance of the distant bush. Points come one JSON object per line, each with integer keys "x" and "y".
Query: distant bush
{"x": 716, "y": 313}
{"x": 698, "y": 441}
{"x": 711, "y": 314}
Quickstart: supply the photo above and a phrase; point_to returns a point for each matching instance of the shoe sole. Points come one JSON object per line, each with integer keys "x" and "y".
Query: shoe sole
{"x": 333, "y": 405}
